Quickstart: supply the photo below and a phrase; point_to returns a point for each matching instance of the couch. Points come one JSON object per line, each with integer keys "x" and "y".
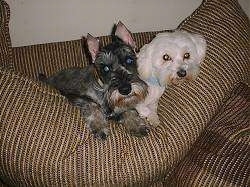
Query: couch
{"x": 203, "y": 138}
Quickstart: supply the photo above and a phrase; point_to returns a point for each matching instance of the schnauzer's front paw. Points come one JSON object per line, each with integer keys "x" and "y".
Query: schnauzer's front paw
{"x": 134, "y": 124}
{"x": 153, "y": 120}
{"x": 98, "y": 128}
{"x": 117, "y": 117}
{"x": 100, "y": 134}
{"x": 140, "y": 130}
{"x": 97, "y": 123}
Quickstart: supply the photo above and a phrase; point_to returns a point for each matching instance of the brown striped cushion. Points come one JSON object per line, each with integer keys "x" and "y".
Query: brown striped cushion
{"x": 5, "y": 43}
{"x": 45, "y": 141}
{"x": 221, "y": 156}
{"x": 49, "y": 58}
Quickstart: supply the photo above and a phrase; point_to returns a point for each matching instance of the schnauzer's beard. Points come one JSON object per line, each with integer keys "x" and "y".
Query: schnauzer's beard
{"x": 119, "y": 102}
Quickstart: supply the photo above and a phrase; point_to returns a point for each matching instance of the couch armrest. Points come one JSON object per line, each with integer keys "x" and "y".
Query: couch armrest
{"x": 39, "y": 129}
{"x": 222, "y": 152}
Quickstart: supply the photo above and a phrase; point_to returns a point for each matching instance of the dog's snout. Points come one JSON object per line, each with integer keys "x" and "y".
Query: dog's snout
{"x": 182, "y": 73}
{"x": 125, "y": 89}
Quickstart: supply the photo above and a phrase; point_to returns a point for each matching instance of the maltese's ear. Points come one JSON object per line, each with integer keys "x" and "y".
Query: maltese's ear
{"x": 93, "y": 46}
{"x": 144, "y": 62}
{"x": 201, "y": 46}
{"x": 124, "y": 34}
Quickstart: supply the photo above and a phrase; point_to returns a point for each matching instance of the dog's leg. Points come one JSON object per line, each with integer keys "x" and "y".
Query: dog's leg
{"x": 143, "y": 110}
{"x": 134, "y": 124}
{"x": 97, "y": 122}
{"x": 153, "y": 117}
{"x": 93, "y": 113}
{"x": 149, "y": 113}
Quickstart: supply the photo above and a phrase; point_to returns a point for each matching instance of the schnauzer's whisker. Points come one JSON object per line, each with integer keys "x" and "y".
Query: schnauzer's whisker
{"x": 137, "y": 95}
{"x": 98, "y": 87}
{"x": 125, "y": 72}
{"x": 139, "y": 90}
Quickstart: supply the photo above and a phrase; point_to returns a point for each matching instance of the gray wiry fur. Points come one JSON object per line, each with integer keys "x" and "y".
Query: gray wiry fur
{"x": 108, "y": 88}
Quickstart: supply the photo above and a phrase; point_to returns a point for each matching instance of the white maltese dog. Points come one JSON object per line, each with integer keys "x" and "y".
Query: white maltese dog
{"x": 170, "y": 58}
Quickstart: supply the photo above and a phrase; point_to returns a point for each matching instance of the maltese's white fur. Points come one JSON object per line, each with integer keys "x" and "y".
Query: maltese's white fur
{"x": 170, "y": 58}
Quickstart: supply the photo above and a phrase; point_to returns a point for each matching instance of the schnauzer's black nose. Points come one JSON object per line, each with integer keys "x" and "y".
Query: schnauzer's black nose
{"x": 125, "y": 89}
{"x": 181, "y": 73}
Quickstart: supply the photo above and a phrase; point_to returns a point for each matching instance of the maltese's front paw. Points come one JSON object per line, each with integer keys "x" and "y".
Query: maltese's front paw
{"x": 143, "y": 110}
{"x": 153, "y": 120}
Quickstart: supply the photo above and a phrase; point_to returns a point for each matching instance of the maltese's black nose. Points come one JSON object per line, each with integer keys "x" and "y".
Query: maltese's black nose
{"x": 181, "y": 73}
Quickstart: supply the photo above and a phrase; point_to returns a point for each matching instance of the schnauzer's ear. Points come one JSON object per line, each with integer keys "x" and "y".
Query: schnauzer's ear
{"x": 124, "y": 34}
{"x": 93, "y": 46}
{"x": 201, "y": 46}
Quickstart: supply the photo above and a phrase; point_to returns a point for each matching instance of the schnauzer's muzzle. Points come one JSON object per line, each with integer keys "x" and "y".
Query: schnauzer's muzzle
{"x": 122, "y": 80}
{"x": 126, "y": 89}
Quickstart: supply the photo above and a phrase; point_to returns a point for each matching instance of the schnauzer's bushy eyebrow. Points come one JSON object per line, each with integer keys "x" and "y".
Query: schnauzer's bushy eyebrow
{"x": 127, "y": 49}
{"x": 106, "y": 58}
{"x": 124, "y": 54}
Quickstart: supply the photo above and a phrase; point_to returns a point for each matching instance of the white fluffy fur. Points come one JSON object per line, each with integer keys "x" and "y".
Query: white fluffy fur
{"x": 158, "y": 73}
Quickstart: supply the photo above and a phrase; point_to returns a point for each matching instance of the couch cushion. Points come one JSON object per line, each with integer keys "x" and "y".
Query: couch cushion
{"x": 39, "y": 129}
{"x": 221, "y": 155}
{"x": 49, "y": 58}
{"x": 5, "y": 42}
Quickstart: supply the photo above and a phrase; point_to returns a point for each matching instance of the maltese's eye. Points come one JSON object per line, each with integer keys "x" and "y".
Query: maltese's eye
{"x": 166, "y": 57}
{"x": 186, "y": 56}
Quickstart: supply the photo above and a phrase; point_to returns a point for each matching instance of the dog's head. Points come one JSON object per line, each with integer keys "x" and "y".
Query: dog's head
{"x": 172, "y": 57}
{"x": 117, "y": 68}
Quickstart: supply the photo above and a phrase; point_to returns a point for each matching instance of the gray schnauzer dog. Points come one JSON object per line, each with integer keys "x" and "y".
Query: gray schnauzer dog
{"x": 108, "y": 88}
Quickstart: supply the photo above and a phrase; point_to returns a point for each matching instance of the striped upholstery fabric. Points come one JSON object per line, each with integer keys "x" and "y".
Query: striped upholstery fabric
{"x": 44, "y": 140}
{"x": 49, "y": 58}
{"x": 221, "y": 156}
{"x": 5, "y": 43}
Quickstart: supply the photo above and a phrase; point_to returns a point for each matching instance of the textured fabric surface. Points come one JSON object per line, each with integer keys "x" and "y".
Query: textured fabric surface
{"x": 49, "y": 58}
{"x": 5, "y": 43}
{"x": 39, "y": 129}
{"x": 221, "y": 156}
{"x": 44, "y": 140}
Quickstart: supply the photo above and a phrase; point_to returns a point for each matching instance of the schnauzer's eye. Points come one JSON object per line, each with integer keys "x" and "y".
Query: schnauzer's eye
{"x": 106, "y": 68}
{"x": 186, "y": 56}
{"x": 166, "y": 57}
{"x": 129, "y": 60}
